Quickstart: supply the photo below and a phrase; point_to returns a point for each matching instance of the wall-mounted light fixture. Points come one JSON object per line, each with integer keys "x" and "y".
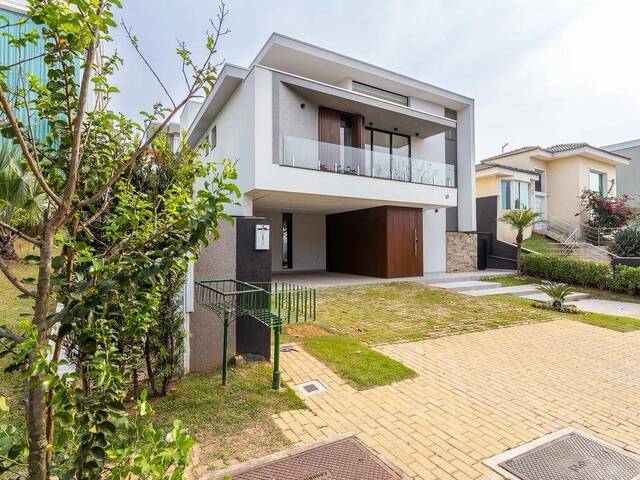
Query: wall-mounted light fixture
{"x": 417, "y": 134}
{"x": 395, "y": 129}
{"x": 370, "y": 124}
{"x": 302, "y": 105}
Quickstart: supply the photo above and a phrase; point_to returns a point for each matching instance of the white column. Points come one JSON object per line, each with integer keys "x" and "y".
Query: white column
{"x": 434, "y": 240}
{"x": 466, "y": 170}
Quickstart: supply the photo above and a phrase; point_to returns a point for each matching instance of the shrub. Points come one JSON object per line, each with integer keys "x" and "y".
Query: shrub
{"x": 567, "y": 270}
{"x": 558, "y": 293}
{"x": 626, "y": 242}
{"x": 573, "y": 271}
{"x": 625, "y": 279}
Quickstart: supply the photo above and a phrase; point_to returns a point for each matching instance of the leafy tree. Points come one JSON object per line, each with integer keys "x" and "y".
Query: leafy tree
{"x": 520, "y": 220}
{"x": 109, "y": 286}
{"x": 22, "y": 203}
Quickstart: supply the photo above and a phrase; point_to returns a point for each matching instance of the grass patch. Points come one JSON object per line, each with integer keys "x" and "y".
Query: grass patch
{"x": 538, "y": 243}
{"x": 12, "y": 308}
{"x": 612, "y": 322}
{"x": 361, "y": 366}
{"x": 511, "y": 281}
{"x": 233, "y": 423}
{"x": 404, "y": 311}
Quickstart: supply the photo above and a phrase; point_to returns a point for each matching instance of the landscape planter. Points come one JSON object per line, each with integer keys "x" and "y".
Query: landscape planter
{"x": 628, "y": 261}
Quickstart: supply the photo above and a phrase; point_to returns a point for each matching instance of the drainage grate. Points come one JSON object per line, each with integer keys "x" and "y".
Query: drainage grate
{"x": 574, "y": 456}
{"x": 344, "y": 459}
{"x": 311, "y": 388}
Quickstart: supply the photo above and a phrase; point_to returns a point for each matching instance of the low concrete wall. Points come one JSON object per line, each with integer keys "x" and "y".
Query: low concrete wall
{"x": 628, "y": 261}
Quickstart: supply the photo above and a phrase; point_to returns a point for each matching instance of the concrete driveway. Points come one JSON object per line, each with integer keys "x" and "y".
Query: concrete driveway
{"x": 479, "y": 394}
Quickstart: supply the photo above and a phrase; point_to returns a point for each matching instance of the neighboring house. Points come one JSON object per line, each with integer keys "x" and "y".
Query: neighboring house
{"x": 628, "y": 175}
{"x": 13, "y": 12}
{"x": 548, "y": 180}
{"x": 356, "y": 169}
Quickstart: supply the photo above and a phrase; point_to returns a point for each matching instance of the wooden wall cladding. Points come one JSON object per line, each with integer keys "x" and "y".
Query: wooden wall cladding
{"x": 380, "y": 242}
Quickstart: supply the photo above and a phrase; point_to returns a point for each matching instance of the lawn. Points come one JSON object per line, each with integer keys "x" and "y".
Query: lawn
{"x": 538, "y": 243}
{"x": 12, "y": 308}
{"x": 404, "y": 311}
{"x": 360, "y": 366}
{"x": 231, "y": 423}
{"x": 612, "y": 322}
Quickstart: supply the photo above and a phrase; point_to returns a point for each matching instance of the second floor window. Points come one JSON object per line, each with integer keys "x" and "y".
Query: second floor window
{"x": 540, "y": 184}
{"x": 380, "y": 93}
{"x": 598, "y": 182}
{"x": 514, "y": 195}
{"x": 213, "y": 138}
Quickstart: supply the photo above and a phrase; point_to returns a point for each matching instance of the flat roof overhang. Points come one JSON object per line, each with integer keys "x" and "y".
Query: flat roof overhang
{"x": 228, "y": 80}
{"x": 301, "y": 58}
{"x": 292, "y": 202}
{"x": 378, "y": 113}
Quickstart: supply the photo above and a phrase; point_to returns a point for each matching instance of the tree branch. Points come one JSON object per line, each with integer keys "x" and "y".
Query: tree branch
{"x": 23, "y": 236}
{"x": 33, "y": 166}
{"x": 5, "y": 333}
{"x": 14, "y": 280}
{"x": 74, "y": 157}
{"x": 134, "y": 43}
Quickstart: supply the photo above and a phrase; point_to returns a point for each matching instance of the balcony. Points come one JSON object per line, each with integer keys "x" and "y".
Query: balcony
{"x": 329, "y": 157}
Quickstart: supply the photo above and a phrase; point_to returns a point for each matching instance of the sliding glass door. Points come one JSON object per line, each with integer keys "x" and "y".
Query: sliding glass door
{"x": 391, "y": 153}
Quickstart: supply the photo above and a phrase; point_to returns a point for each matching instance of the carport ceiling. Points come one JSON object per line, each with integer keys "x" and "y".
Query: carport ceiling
{"x": 267, "y": 201}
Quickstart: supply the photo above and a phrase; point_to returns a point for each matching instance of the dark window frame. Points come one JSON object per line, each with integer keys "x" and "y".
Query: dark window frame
{"x": 355, "y": 82}
{"x": 287, "y": 263}
{"x": 372, "y": 129}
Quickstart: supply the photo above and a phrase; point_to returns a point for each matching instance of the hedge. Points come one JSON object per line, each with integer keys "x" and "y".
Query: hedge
{"x": 625, "y": 279}
{"x": 573, "y": 271}
{"x": 567, "y": 270}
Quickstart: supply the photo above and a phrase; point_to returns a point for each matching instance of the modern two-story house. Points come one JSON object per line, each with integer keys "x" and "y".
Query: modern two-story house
{"x": 349, "y": 167}
{"x": 361, "y": 170}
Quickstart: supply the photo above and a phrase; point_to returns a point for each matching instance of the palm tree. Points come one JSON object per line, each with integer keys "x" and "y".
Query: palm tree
{"x": 22, "y": 203}
{"x": 520, "y": 220}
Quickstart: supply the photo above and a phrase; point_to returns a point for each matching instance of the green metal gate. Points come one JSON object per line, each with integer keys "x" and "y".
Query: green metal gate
{"x": 274, "y": 304}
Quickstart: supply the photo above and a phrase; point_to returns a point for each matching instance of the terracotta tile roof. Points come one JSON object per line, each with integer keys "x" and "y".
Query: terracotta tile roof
{"x": 486, "y": 166}
{"x": 562, "y": 147}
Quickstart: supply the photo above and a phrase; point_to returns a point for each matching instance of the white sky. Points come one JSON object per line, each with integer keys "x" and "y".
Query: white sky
{"x": 542, "y": 72}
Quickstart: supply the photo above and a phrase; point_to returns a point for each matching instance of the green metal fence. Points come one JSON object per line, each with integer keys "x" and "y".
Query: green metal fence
{"x": 274, "y": 304}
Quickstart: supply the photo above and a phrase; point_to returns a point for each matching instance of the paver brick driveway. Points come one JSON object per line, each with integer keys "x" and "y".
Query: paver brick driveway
{"x": 479, "y": 394}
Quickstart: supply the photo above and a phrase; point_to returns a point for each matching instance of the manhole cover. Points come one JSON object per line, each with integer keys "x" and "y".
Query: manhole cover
{"x": 574, "y": 456}
{"x": 343, "y": 459}
{"x": 310, "y": 388}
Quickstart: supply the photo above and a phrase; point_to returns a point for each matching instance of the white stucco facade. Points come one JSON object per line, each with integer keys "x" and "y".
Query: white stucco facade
{"x": 255, "y": 111}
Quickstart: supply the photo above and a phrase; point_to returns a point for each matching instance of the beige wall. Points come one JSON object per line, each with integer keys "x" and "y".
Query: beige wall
{"x": 566, "y": 179}
{"x": 487, "y": 186}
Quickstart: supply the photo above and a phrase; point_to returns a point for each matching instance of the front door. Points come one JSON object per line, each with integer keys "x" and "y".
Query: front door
{"x": 404, "y": 237}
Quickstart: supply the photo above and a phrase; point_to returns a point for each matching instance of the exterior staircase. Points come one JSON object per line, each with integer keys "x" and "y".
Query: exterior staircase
{"x": 583, "y": 242}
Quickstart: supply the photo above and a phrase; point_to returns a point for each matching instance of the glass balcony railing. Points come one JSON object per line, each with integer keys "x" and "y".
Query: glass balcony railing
{"x": 314, "y": 155}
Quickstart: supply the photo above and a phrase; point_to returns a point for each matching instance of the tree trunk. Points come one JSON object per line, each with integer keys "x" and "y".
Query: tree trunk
{"x": 150, "y": 373}
{"x": 36, "y": 411}
{"x": 7, "y": 246}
